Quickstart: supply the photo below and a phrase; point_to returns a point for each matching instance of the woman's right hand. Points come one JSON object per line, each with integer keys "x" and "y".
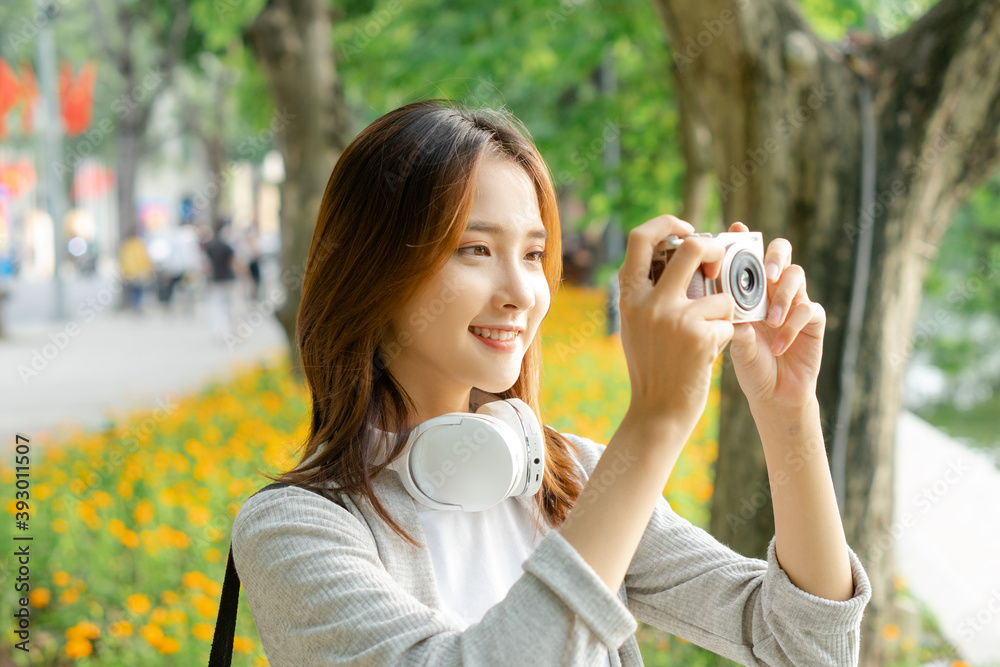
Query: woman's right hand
{"x": 671, "y": 341}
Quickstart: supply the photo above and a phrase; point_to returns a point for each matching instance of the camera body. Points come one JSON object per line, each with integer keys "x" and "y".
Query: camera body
{"x": 742, "y": 275}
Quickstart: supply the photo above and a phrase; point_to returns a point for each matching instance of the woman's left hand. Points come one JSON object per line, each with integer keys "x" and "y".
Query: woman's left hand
{"x": 777, "y": 361}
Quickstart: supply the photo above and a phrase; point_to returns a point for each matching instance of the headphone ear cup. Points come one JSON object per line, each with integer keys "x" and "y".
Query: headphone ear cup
{"x": 470, "y": 465}
{"x": 519, "y": 416}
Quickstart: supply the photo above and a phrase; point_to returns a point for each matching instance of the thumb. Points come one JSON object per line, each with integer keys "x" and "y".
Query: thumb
{"x": 744, "y": 343}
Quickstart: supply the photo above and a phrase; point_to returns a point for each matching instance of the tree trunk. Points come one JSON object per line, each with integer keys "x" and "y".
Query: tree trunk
{"x": 783, "y": 111}
{"x": 291, "y": 39}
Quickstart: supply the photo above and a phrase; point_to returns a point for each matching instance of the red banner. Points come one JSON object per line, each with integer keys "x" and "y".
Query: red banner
{"x": 76, "y": 96}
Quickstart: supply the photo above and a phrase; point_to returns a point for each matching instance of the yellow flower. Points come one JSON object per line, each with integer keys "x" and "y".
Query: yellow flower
{"x": 121, "y": 629}
{"x": 59, "y": 525}
{"x": 78, "y": 648}
{"x": 159, "y": 616}
{"x": 168, "y": 645}
{"x": 124, "y": 489}
{"x": 130, "y": 539}
{"x": 203, "y": 631}
{"x": 61, "y": 578}
{"x": 890, "y": 632}
{"x": 102, "y": 498}
{"x": 169, "y": 597}
{"x": 117, "y": 528}
{"x": 40, "y": 597}
{"x": 137, "y": 603}
{"x": 243, "y": 645}
{"x": 176, "y": 616}
{"x": 151, "y": 633}
{"x": 143, "y": 512}
{"x": 205, "y": 605}
{"x": 198, "y": 515}
{"x": 69, "y": 596}
{"x": 83, "y": 630}
{"x": 959, "y": 663}
{"x": 193, "y": 579}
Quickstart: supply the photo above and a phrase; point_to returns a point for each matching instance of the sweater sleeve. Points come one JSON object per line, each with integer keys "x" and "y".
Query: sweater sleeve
{"x": 320, "y": 595}
{"x": 683, "y": 581}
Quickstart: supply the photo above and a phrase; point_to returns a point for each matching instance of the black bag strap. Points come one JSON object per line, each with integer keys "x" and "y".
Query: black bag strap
{"x": 225, "y": 625}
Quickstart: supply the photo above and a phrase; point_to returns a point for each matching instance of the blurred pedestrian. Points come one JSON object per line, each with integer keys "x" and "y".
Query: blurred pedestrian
{"x": 222, "y": 281}
{"x": 137, "y": 270}
{"x": 253, "y": 264}
{"x": 180, "y": 267}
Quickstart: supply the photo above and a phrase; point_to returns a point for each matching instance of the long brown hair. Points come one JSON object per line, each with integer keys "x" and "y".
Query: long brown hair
{"x": 393, "y": 212}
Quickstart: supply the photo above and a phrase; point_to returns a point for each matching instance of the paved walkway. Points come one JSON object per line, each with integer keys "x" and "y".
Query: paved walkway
{"x": 947, "y": 529}
{"x": 947, "y": 496}
{"x": 79, "y": 371}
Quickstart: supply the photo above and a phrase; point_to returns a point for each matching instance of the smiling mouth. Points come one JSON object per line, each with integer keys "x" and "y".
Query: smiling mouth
{"x": 499, "y": 336}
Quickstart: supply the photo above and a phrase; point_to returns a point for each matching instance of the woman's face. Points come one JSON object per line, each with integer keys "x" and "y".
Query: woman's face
{"x": 494, "y": 281}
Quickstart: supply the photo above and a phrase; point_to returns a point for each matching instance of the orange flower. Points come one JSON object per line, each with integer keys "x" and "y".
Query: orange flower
{"x": 143, "y": 512}
{"x": 83, "y": 630}
{"x": 121, "y": 629}
{"x": 137, "y": 603}
{"x": 203, "y": 631}
{"x": 40, "y": 598}
{"x": 78, "y": 648}
{"x": 61, "y": 578}
{"x": 168, "y": 645}
{"x": 891, "y": 632}
{"x": 243, "y": 645}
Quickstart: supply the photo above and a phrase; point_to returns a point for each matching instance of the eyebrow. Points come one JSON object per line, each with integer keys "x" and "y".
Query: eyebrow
{"x": 499, "y": 230}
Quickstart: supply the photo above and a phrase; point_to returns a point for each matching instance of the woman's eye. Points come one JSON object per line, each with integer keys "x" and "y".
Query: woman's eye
{"x": 539, "y": 254}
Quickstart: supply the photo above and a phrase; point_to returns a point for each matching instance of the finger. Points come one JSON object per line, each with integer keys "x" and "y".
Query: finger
{"x": 738, "y": 227}
{"x": 791, "y": 283}
{"x": 691, "y": 254}
{"x": 720, "y": 332}
{"x": 714, "y": 307}
{"x": 801, "y": 314}
{"x": 633, "y": 277}
{"x": 777, "y": 257}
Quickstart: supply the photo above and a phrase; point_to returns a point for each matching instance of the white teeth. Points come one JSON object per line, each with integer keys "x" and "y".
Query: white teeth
{"x": 495, "y": 334}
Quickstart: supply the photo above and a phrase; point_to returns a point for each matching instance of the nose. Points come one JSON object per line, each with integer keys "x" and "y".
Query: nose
{"x": 515, "y": 287}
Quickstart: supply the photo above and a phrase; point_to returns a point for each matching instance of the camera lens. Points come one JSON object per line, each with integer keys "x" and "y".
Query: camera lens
{"x": 746, "y": 279}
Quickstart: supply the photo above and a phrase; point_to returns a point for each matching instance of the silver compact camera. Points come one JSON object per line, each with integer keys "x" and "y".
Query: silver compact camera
{"x": 742, "y": 275}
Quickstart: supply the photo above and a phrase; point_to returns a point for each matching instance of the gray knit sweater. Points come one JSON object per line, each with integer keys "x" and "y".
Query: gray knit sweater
{"x": 333, "y": 586}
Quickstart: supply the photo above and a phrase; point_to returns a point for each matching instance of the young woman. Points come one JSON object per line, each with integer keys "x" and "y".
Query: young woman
{"x": 439, "y": 224}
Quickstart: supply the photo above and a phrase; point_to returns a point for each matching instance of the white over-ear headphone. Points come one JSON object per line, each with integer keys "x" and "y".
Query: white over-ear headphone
{"x": 473, "y": 461}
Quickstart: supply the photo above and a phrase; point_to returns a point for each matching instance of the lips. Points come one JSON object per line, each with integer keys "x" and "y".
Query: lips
{"x": 501, "y": 335}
